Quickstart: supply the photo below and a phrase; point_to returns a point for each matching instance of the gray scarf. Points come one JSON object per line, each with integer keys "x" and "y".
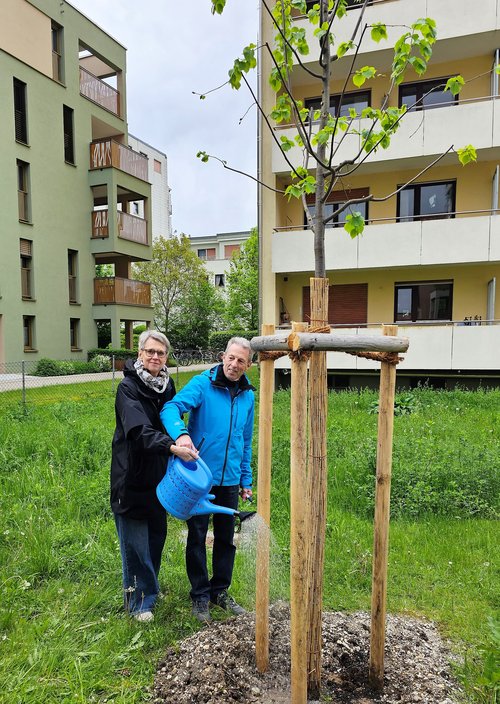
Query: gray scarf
{"x": 157, "y": 383}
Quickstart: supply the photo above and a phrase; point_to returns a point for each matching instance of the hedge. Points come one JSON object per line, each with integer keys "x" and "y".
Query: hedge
{"x": 118, "y": 354}
{"x": 218, "y": 340}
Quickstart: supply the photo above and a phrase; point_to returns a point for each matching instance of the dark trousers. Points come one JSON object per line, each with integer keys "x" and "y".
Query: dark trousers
{"x": 141, "y": 546}
{"x": 203, "y": 588}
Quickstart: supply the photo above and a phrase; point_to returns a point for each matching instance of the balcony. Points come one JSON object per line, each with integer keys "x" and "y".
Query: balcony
{"x": 130, "y": 227}
{"x": 478, "y": 27}
{"x": 115, "y": 290}
{"x": 423, "y": 133}
{"x": 105, "y": 153}
{"x": 99, "y": 92}
{"x": 390, "y": 244}
{"x": 445, "y": 347}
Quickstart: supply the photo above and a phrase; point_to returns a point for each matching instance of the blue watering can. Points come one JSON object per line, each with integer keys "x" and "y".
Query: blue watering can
{"x": 183, "y": 491}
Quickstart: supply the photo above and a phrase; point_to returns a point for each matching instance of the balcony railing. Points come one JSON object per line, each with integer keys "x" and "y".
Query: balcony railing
{"x": 108, "y": 152}
{"x": 121, "y": 291}
{"x": 99, "y": 92}
{"x": 130, "y": 227}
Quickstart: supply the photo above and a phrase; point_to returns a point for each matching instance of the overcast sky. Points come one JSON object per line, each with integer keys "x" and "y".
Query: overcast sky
{"x": 174, "y": 48}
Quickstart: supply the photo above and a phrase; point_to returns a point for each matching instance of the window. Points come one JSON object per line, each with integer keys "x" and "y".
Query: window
{"x": 20, "y": 114}
{"x": 57, "y": 48}
{"x": 220, "y": 280}
{"x": 157, "y": 166}
{"x": 424, "y": 201}
{"x": 72, "y": 275}
{"x": 25, "y": 247}
{"x": 230, "y": 249}
{"x": 206, "y": 254}
{"x": 424, "y": 300}
{"x": 347, "y": 304}
{"x": 74, "y": 333}
{"x": 335, "y": 200}
{"x": 423, "y": 95}
{"x": 23, "y": 190}
{"x": 357, "y": 100}
{"x": 29, "y": 332}
{"x": 68, "y": 130}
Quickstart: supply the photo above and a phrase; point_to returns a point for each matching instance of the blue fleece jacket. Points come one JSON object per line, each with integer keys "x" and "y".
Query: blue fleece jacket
{"x": 225, "y": 423}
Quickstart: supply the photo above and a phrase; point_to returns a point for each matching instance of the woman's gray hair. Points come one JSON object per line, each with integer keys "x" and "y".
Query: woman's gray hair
{"x": 155, "y": 335}
{"x": 242, "y": 342}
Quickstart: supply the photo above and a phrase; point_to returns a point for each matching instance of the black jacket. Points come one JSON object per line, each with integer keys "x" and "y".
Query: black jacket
{"x": 140, "y": 447}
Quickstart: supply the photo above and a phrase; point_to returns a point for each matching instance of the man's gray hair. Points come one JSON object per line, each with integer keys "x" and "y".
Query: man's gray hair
{"x": 242, "y": 342}
{"x": 155, "y": 335}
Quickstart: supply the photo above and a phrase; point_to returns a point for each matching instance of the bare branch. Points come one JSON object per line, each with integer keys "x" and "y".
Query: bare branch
{"x": 243, "y": 173}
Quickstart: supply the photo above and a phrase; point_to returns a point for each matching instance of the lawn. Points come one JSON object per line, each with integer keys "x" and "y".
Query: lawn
{"x": 63, "y": 635}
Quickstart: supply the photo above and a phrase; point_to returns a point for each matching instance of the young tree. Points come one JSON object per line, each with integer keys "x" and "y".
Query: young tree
{"x": 322, "y": 135}
{"x": 242, "y": 305}
{"x": 181, "y": 294}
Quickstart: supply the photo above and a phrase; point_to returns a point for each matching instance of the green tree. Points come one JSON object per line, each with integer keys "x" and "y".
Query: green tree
{"x": 242, "y": 304}
{"x": 180, "y": 292}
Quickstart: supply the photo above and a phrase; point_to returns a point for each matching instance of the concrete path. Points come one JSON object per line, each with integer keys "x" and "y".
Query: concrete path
{"x": 10, "y": 382}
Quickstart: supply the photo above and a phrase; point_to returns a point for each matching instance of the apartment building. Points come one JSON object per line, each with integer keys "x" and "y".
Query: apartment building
{"x": 216, "y": 252}
{"x": 67, "y": 182}
{"x": 161, "y": 210}
{"x": 429, "y": 257}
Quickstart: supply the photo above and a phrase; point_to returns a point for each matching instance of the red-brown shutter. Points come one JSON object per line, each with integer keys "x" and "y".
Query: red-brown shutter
{"x": 347, "y": 304}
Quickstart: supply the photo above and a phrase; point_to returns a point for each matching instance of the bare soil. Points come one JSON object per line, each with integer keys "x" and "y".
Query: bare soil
{"x": 217, "y": 664}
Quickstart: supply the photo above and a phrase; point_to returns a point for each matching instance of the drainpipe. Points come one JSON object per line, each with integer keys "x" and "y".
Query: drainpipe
{"x": 494, "y": 193}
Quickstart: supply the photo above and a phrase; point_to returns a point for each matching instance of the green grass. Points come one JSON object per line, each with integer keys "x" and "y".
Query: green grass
{"x": 63, "y": 635}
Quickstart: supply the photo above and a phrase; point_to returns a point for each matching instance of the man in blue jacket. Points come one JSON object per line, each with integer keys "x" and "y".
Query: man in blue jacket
{"x": 220, "y": 403}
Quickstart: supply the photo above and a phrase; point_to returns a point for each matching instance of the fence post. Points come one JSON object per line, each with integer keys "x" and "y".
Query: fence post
{"x": 114, "y": 371}
{"x": 23, "y": 370}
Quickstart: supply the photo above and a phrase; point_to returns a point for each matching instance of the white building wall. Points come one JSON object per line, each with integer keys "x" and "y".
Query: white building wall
{"x": 160, "y": 192}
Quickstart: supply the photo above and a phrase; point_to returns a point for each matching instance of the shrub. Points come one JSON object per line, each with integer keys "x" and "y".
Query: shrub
{"x": 100, "y": 363}
{"x": 47, "y": 367}
{"x": 118, "y": 354}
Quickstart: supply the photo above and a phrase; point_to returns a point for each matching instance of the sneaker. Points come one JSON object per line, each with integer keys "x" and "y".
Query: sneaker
{"x": 144, "y": 616}
{"x": 200, "y": 611}
{"x": 226, "y": 602}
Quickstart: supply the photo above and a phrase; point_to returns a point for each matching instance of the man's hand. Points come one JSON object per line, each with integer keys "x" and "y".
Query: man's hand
{"x": 246, "y": 494}
{"x": 185, "y": 453}
{"x": 184, "y": 448}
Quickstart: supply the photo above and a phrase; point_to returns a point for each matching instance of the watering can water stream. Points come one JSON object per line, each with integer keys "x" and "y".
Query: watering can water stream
{"x": 184, "y": 490}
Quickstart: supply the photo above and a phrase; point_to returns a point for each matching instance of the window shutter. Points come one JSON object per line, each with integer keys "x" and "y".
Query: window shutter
{"x": 347, "y": 304}
{"x": 25, "y": 248}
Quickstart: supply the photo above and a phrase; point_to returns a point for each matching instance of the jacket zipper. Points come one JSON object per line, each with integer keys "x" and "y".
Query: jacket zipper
{"x": 233, "y": 399}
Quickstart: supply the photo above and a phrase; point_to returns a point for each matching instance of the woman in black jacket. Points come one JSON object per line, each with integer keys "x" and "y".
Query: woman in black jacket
{"x": 139, "y": 457}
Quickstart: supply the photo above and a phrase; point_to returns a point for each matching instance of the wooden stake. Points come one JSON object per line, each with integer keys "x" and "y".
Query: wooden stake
{"x": 316, "y": 495}
{"x": 298, "y": 527}
{"x": 381, "y": 523}
{"x": 264, "y": 508}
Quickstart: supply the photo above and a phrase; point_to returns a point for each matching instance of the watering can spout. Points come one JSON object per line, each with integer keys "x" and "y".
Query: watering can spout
{"x": 205, "y": 506}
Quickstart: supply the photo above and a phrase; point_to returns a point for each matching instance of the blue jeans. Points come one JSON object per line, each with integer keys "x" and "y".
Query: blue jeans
{"x": 141, "y": 546}
{"x": 203, "y": 588}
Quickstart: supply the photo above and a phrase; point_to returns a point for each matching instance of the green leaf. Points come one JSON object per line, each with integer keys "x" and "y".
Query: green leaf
{"x": 203, "y": 156}
{"x": 455, "y": 84}
{"x": 358, "y": 79}
{"x": 419, "y": 65}
{"x": 362, "y": 74}
{"x": 379, "y": 31}
{"x": 286, "y": 144}
{"x": 467, "y": 154}
{"x": 218, "y": 6}
{"x": 354, "y": 224}
{"x": 343, "y": 48}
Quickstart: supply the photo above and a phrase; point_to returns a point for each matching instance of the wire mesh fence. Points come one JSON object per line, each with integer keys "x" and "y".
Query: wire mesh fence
{"x": 20, "y": 384}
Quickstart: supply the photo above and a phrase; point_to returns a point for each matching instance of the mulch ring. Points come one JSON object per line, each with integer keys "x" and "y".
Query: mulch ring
{"x": 217, "y": 664}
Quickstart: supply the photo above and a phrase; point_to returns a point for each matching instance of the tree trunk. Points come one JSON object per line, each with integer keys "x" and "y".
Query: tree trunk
{"x": 316, "y": 495}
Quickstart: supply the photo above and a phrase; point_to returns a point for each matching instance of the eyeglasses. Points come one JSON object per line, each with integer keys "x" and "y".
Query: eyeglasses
{"x": 151, "y": 353}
